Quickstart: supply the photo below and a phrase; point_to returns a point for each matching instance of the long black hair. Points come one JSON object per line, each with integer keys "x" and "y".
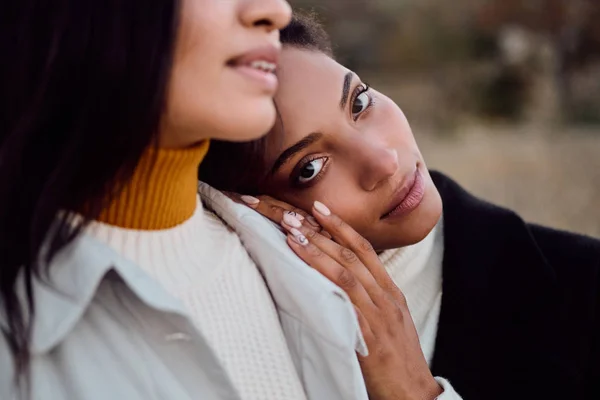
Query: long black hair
{"x": 240, "y": 166}
{"x": 82, "y": 89}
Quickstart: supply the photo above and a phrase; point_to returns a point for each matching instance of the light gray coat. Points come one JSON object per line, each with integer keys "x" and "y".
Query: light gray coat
{"x": 103, "y": 329}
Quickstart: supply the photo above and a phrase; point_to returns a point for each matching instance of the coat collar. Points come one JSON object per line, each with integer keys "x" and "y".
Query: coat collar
{"x": 297, "y": 289}
{"x": 62, "y": 296}
{"x": 75, "y": 273}
{"x": 317, "y": 317}
{"x": 500, "y": 298}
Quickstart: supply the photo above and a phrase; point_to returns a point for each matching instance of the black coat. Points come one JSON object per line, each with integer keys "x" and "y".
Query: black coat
{"x": 520, "y": 316}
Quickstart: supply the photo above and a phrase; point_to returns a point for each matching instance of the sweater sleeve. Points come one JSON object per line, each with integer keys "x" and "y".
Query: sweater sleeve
{"x": 449, "y": 392}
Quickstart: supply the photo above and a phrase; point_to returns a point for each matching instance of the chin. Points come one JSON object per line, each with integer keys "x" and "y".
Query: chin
{"x": 251, "y": 123}
{"x": 414, "y": 228}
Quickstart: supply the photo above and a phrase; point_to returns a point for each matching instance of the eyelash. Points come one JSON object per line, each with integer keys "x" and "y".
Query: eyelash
{"x": 360, "y": 89}
{"x": 306, "y": 160}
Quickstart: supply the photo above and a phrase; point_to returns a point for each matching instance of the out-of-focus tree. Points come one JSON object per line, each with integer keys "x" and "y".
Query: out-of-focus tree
{"x": 510, "y": 59}
{"x": 563, "y": 34}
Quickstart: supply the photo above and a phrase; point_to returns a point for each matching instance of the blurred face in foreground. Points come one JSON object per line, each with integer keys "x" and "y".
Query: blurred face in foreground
{"x": 222, "y": 81}
{"x": 350, "y": 147}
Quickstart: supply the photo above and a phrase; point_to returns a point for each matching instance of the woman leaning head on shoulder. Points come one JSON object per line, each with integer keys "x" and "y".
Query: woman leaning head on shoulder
{"x": 89, "y": 90}
{"x": 503, "y": 308}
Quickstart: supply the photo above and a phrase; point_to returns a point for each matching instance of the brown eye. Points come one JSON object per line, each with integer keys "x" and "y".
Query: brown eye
{"x": 361, "y": 102}
{"x": 311, "y": 170}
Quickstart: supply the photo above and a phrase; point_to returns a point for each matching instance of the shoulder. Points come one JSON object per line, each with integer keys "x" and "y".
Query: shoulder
{"x": 496, "y": 230}
{"x": 573, "y": 257}
{"x": 558, "y": 242}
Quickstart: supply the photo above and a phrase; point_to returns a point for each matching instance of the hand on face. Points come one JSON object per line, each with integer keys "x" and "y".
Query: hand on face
{"x": 279, "y": 211}
{"x": 395, "y": 367}
{"x": 362, "y": 158}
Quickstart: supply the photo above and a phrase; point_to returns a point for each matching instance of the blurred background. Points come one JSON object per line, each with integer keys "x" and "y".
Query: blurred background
{"x": 502, "y": 95}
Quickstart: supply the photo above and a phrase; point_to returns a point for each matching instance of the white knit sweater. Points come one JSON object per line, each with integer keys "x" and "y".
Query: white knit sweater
{"x": 230, "y": 303}
{"x": 204, "y": 264}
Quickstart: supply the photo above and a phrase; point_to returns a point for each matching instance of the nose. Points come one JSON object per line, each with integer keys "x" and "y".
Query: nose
{"x": 376, "y": 165}
{"x": 270, "y": 14}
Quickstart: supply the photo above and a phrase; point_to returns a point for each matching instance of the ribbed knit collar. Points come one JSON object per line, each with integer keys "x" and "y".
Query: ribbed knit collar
{"x": 402, "y": 257}
{"x": 162, "y": 192}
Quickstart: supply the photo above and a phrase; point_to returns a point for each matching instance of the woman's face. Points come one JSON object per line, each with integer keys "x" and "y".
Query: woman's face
{"x": 350, "y": 148}
{"x": 221, "y": 83}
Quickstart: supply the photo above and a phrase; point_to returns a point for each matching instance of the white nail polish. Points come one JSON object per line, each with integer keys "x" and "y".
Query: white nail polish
{"x": 299, "y": 237}
{"x": 295, "y": 214}
{"x": 322, "y": 208}
{"x": 250, "y": 200}
{"x": 291, "y": 220}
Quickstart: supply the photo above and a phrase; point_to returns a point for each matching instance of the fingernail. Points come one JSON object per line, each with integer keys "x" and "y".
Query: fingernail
{"x": 291, "y": 220}
{"x": 251, "y": 201}
{"x": 298, "y": 237}
{"x": 322, "y": 208}
{"x": 295, "y": 214}
{"x": 311, "y": 220}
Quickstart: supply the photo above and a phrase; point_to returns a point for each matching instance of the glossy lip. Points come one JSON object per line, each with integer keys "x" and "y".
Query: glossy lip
{"x": 241, "y": 64}
{"x": 267, "y": 53}
{"x": 408, "y": 196}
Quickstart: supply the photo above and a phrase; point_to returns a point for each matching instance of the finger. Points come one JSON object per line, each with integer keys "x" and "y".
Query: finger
{"x": 326, "y": 234}
{"x": 365, "y": 327}
{"x": 272, "y": 209}
{"x": 347, "y": 237}
{"x": 288, "y": 207}
{"x": 331, "y": 269}
{"x": 249, "y": 201}
{"x": 290, "y": 219}
{"x": 345, "y": 257}
{"x": 294, "y": 211}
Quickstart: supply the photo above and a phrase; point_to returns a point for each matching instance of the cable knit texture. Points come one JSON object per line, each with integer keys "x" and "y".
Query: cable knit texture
{"x": 203, "y": 263}
{"x": 417, "y": 270}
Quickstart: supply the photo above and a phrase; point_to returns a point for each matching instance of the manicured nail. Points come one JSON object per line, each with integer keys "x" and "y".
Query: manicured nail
{"x": 322, "y": 208}
{"x": 251, "y": 201}
{"x": 311, "y": 220}
{"x": 298, "y": 237}
{"x": 290, "y": 220}
{"x": 295, "y": 214}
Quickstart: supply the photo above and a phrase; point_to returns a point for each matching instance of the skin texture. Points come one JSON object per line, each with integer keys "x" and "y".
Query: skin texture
{"x": 203, "y": 90}
{"x": 364, "y": 154}
{"x": 395, "y": 368}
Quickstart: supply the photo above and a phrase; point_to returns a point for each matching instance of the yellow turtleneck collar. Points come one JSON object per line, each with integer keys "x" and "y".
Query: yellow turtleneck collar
{"x": 162, "y": 192}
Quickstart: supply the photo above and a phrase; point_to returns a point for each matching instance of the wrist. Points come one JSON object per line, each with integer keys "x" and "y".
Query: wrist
{"x": 430, "y": 391}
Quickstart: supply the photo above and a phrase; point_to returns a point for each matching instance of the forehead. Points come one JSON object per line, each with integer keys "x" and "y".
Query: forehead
{"x": 309, "y": 93}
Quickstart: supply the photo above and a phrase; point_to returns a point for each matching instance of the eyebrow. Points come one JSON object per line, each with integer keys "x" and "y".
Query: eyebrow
{"x": 346, "y": 89}
{"x": 300, "y": 145}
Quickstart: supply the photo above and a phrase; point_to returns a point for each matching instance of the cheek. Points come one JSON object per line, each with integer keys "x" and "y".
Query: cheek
{"x": 339, "y": 192}
{"x": 205, "y": 97}
{"x": 393, "y": 123}
{"x": 194, "y": 70}
{"x": 199, "y": 39}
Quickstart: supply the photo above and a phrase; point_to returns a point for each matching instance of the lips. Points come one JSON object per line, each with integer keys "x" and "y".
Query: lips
{"x": 407, "y": 197}
{"x": 258, "y": 68}
{"x": 263, "y": 59}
